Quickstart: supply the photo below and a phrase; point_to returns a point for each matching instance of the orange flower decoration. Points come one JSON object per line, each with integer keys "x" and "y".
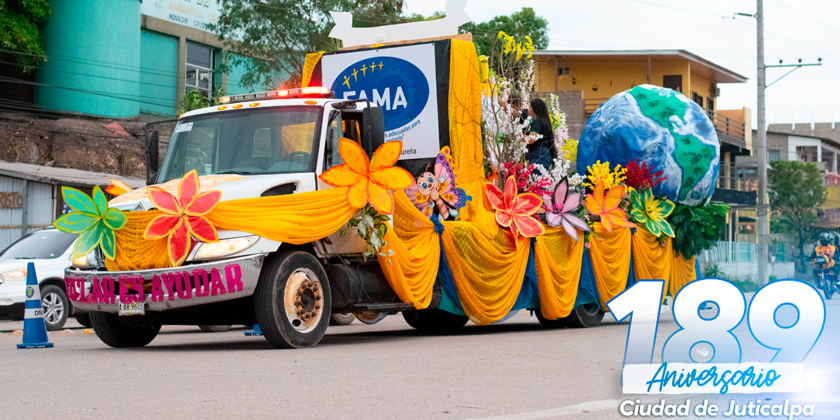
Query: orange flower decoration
{"x": 117, "y": 188}
{"x": 606, "y": 206}
{"x": 515, "y": 211}
{"x": 370, "y": 181}
{"x": 183, "y": 216}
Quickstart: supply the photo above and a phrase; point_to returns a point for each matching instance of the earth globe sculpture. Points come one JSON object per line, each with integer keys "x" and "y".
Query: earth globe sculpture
{"x": 663, "y": 128}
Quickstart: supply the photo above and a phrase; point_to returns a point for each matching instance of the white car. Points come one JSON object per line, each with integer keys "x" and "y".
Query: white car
{"x": 52, "y": 251}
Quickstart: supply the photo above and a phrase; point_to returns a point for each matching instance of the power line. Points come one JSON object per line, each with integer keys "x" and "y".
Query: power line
{"x": 678, "y": 8}
{"x": 105, "y": 94}
{"x": 805, "y": 16}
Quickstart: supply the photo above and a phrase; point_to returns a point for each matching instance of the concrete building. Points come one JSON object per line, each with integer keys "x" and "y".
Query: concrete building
{"x": 30, "y": 195}
{"x": 122, "y": 58}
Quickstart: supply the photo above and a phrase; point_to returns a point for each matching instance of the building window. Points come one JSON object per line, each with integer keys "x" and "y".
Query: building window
{"x": 200, "y": 68}
{"x": 562, "y": 71}
{"x": 697, "y": 98}
{"x": 774, "y": 155}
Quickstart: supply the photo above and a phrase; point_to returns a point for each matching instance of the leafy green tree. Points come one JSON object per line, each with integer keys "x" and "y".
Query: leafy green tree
{"x": 519, "y": 24}
{"x": 197, "y": 99}
{"x": 796, "y": 190}
{"x": 270, "y": 38}
{"x": 19, "y": 34}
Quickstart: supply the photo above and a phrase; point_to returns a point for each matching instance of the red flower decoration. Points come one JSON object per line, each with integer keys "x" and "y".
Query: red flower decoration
{"x": 183, "y": 215}
{"x": 642, "y": 177}
{"x": 514, "y": 211}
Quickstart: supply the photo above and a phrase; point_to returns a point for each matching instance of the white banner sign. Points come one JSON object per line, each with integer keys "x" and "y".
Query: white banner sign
{"x": 193, "y": 13}
{"x": 402, "y": 81}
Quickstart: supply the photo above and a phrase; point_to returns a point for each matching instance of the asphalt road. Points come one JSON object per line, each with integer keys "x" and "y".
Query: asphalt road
{"x": 515, "y": 370}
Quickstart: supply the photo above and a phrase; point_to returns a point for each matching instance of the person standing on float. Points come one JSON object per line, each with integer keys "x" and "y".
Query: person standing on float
{"x": 540, "y": 149}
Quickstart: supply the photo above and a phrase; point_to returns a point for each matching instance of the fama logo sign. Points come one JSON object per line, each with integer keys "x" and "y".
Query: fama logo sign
{"x": 394, "y": 84}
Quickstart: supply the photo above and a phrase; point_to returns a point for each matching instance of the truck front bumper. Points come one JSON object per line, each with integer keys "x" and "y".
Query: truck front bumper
{"x": 164, "y": 289}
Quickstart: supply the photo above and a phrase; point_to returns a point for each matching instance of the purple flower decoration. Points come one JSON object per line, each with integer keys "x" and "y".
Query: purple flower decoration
{"x": 560, "y": 208}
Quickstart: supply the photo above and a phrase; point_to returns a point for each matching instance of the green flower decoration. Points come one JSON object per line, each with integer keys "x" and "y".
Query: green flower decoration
{"x": 650, "y": 212}
{"x": 93, "y": 220}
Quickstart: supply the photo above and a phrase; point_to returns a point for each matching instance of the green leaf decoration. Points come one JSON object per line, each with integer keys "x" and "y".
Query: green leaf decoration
{"x": 109, "y": 244}
{"x": 115, "y": 219}
{"x": 93, "y": 220}
{"x": 76, "y": 222}
{"x": 100, "y": 200}
{"x": 87, "y": 241}
{"x": 78, "y": 200}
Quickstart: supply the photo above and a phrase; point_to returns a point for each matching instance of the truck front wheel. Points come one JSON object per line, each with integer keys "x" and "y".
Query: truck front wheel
{"x": 293, "y": 301}
{"x": 124, "y": 331}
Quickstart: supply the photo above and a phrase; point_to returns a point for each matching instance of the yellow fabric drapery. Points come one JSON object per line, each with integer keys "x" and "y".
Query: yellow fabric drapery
{"x": 651, "y": 261}
{"x": 413, "y": 267}
{"x": 558, "y": 259}
{"x": 682, "y": 273}
{"x": 610, "y": 261}
{"x": 296, "y": 219}
{"x": 488, "y": 273}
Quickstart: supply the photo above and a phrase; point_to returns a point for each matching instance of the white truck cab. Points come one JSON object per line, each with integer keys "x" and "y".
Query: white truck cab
{"x": 256, "y": 145}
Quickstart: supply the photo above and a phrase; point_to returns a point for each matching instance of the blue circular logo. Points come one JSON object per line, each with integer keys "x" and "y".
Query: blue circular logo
{"x": 394, "y": 84}
{"x": 30, "y": 291}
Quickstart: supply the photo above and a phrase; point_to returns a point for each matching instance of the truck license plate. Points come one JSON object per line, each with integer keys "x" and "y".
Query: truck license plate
{"x": 134, "y": 308}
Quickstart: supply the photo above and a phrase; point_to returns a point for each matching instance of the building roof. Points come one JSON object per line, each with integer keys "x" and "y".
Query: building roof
{"x": 716, "y": 73}
{"x": 48, "y": 174}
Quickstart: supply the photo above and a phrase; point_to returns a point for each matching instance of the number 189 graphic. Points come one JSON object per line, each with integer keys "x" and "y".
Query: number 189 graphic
{"x": 792, "y": 343}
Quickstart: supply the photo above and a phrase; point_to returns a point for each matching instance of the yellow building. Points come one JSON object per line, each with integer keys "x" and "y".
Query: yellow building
{"x": 592, "y": 77}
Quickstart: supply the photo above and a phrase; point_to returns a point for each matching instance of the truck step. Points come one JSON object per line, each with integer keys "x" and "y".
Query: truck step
{"x": 380, "y": 307}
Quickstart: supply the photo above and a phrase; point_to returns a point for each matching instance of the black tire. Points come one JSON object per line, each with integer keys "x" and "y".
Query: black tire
{"x": 56, "y": 307}
{"x": 342, "y": 319}
{"x": 549, "y": 323}
{"x": 435, "y": 321}
{"x": 84, "y": 319}
{"x": 124, "y": 331}
{"x": 308, "y": 286}
{"x": 828, "y": 289}
{"x": 215, "y": 328}
{"x": 584, "y": 316}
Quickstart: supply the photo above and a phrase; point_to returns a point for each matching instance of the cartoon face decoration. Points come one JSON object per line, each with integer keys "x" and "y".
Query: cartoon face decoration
{"x": 427, "y": 183}
{"x": 435, "y": 193}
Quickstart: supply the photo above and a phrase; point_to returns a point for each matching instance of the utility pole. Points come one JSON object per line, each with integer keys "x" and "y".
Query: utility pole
{"x": 761, "y": 147}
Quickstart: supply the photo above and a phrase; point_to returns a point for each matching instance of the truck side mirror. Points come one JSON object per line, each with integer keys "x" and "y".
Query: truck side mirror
{"x": 151, "y": 157}
{"x": 373, "y": 127}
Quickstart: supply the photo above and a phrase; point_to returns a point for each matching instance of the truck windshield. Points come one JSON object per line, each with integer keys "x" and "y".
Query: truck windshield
{"x": 265, "y": 141}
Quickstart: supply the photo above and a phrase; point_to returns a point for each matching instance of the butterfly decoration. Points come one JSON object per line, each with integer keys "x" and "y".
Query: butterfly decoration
{"x": 561, "y": 205}
{"x": 438, "y": 193}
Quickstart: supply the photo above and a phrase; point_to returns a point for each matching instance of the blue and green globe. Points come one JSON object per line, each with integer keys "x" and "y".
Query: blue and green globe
{"x": 663, "y": 128}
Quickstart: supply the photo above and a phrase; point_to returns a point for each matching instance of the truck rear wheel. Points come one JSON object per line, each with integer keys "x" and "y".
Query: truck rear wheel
{"x": 435, "y": 321}
{"x": 550, "y": 323}
{"x": 123, "y": 331}
{"x": 293, "y": 301}
{"x": 342, "y": 319}
{"x": 585, "y": 316}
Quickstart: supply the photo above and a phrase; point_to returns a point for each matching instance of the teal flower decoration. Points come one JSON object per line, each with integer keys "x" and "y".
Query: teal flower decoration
{"x": 650, "y": 212}
{"x": 92, "y": 220}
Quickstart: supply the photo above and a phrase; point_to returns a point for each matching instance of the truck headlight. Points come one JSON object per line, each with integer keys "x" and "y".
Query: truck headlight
{"x": 224, "y": 247}
{"x": 86, "y": 261}
{"x": 13, "y": 275}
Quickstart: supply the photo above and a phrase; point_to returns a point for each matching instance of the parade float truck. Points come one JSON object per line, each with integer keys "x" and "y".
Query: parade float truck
{"x": 245, "y": 219}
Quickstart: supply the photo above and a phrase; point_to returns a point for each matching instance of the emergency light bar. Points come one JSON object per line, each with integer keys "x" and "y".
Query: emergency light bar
{"x": 307, "y": 92}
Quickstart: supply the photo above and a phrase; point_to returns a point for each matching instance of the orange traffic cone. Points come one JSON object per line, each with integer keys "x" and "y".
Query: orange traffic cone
{"x": 34, "y": 328}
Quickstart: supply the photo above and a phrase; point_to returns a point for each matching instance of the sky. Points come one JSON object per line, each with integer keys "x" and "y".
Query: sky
{"x": 794, "y": 29}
